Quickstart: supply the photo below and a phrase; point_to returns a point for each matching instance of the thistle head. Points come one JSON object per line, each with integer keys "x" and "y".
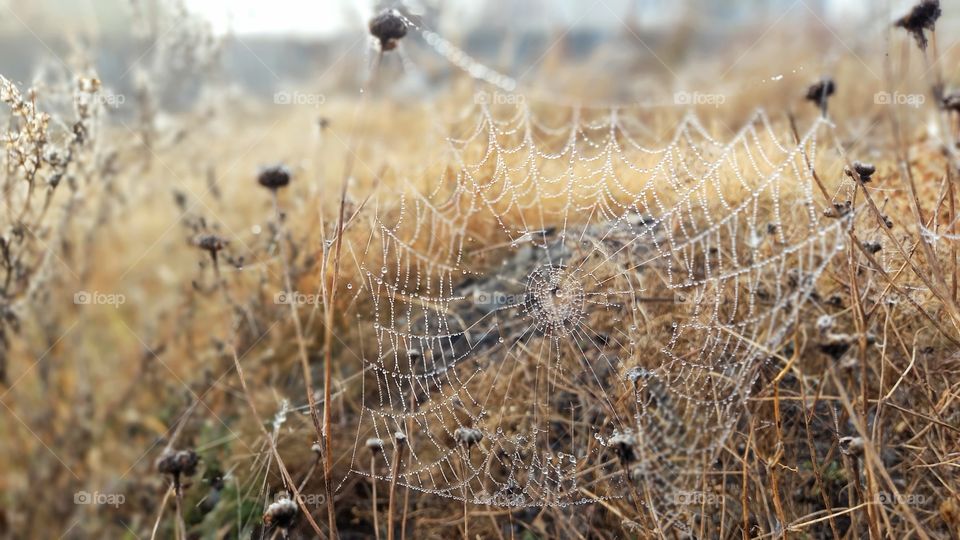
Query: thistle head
{"x": 389, "y": 28}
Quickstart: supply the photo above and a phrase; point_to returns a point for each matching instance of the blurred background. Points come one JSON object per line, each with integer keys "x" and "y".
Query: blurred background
{"x": 262, "y": 47}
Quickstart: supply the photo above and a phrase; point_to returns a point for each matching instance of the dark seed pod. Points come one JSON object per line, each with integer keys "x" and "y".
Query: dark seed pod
{"x": 274, "y": 177}
{"x": 922, "y": 17}
{"x": 178, "y": 462}
{"x": 468, "y": 436}
{"x": 375, "y": 445}
{"x": 872, "y": 247}
{"x": 865, "y": 170}
{"x": 281, "y": 514}
{"x": 951, "y": 102}
{"x": 820, "y": 91}
{"x": 624, "y": 445}
{"x": 852, "y": 446}
{"x": 636, "y": 375}
{"x": 210, "y": 242}
{"x": 389, "y": 28}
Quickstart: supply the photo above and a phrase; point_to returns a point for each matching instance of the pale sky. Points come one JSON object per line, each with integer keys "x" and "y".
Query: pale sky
{"x": 304, "y": 17}
{"x": 324, "y": 17}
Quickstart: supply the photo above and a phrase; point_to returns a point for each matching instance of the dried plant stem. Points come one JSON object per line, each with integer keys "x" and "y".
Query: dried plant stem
{"x": 163, "y": 505}
{"x": 285, "y": 473}
{"x": 814, "y": 462}
{"x": 406, "y": 490}
{"x": 860, "y": 323}
{"x": 871, "y": 456}
{"x": 953, "y": 231}
{"x": 774, "y": 463}
{"x": 178, "y": 509}
{"x": 744, "y": 501}
{"x": 923, "y": 275}
{"x": 373, "y": 483}
{"x": 305, "y": 365}
{"x": 906, "y": 177}
{"x": 463, "y": 475}
{"x": 397, "y": 462}
{"x": 329, "y": 302}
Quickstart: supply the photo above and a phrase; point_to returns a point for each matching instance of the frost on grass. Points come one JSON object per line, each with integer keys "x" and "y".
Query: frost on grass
{"x": 592, "y": 309}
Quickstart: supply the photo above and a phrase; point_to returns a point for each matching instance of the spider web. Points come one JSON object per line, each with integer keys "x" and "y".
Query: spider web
{"x": 593, "y": 309}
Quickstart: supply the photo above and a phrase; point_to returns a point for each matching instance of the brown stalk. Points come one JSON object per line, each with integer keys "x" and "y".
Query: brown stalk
{"x": 305, "y": 363}
{"x": 373, "y": 483}
{"x": 397, "y": 462}
{"x": 860, "y": 323}
{"x": 288, "y": 479}
{"x": 870, "y": 454}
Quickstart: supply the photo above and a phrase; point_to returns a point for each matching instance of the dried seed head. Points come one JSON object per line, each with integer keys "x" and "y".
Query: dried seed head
{"x": 389, "y": 28}
{"x": 951, "y": 102}
{"x": 400, "y": 438}
{"x": 210, "y": 242}
{"x": 820, "y": 91}
{"x": 315, "y": 448}
{"x": 922, "y": 17}
{"x": 636, "y": 374}
{"x": 375, "y": 445}
{"x": 624, "y": 445}
{"x": 467, "y": 436}
{"x": 839, "y": 209}
{"x": 274, "y": 177}
{"x": 872, "y": 247}
{"x": 852, "y": 446}
{"x": 178, "y": 462}
{"x": 864, "y": 171}
{"x": 282, "y": 513}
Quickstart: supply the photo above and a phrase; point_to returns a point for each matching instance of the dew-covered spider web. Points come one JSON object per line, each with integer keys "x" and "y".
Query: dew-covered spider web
{"x": 578, "y": 309}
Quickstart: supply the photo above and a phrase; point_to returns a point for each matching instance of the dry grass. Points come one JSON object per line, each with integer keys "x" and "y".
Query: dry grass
{"x": 200, "y": 356}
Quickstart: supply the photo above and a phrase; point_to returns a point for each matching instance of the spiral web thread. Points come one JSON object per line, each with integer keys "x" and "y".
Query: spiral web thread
{"x": 570, "y": 315}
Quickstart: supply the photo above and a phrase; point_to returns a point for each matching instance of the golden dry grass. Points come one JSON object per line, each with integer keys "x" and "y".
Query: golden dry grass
{"x": 94, "y": 393}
